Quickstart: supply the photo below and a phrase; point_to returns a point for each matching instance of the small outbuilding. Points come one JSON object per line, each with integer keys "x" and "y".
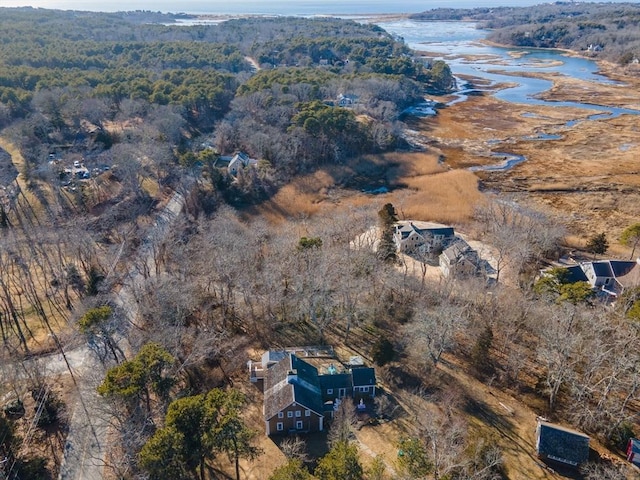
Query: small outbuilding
{"x": 633, "y": 451}
{"x": 561, "y": 444}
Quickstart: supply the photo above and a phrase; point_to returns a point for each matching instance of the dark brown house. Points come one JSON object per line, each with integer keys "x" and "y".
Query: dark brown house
{"x": 292, "y": 397}
{"x": 297, "y": 398}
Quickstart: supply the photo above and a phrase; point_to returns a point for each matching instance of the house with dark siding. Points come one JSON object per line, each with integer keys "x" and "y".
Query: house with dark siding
{"x": 292, "y": 397}
{"x": 299, "y": 397}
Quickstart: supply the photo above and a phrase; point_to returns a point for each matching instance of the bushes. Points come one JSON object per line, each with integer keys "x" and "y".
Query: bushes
{"x": 383, "y": 351}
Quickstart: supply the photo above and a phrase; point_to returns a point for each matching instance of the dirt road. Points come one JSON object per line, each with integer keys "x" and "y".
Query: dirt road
{"x": 87, "y": 441}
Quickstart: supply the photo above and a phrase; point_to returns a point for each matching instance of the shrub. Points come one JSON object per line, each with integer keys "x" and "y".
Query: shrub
{"x": 383, "y": 351}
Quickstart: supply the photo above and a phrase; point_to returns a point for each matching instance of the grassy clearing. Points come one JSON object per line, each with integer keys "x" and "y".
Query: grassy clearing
{"x": 28, "y": 203}
{"x": 422, "y": 189}
{"x": 449, "y": 197}
{"x": 303, "y": 197}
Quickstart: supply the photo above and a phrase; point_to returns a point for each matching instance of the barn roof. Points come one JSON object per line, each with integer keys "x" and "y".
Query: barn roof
{"x": 562, "y": 444}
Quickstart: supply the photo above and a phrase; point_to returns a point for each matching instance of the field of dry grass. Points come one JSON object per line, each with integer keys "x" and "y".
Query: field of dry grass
{"x": 589, "y": 179}
{"x": 420, "y": 187}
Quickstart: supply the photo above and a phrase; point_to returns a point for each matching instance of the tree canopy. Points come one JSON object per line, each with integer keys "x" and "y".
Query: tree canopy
{"x": 196, "y": 429}
{"x": 134, "y": 380}
{"x": 341, "y": 463}
{"x": 598, "y": 244}
{"x": 631, "y": 237}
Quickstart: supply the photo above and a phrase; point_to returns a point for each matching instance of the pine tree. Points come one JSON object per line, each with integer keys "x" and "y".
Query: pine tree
{"x": 598, "y": 244}
{"x": 387, "y": 247}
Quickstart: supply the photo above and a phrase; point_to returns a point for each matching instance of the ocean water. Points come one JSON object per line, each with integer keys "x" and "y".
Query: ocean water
{"x": 269, "y": 7}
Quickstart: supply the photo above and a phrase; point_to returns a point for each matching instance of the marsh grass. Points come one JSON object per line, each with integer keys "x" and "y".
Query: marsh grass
{"x": 449, "y": 197}
{"x": 421, "y": 186}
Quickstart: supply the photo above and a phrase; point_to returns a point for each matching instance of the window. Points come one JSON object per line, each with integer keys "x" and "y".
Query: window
{"x": 279, "y": 426}
{"x": 299, "y": 425}
{"x": 298, "y": 413}
{"x": 364, "y": 389}
{"x": 329, "y": 391}
{"x": 289, "y": 414}
{"x": 280, "y": 415}
{"x": 307, "y": 413}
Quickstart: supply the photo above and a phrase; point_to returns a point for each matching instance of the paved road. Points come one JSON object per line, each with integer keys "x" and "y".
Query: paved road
{"x": 86, "y": 445}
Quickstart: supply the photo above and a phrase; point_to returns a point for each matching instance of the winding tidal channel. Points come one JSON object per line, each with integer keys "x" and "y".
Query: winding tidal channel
{"x": 458, "y": 43}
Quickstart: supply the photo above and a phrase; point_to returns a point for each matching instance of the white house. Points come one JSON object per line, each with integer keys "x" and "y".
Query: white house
{"x": 411, "y": 239}
{"x": 459, "y": 259}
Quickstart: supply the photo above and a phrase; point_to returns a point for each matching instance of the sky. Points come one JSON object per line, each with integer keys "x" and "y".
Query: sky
{"x": 267, "y": 6}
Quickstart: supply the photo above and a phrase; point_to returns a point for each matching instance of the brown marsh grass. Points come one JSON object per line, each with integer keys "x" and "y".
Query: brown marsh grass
{"x": 422, "y": 189}
{"x": 304, "y": 197}
{"x": 448, "y": 197}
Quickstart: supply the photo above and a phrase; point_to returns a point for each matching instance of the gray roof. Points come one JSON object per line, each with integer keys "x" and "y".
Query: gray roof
{"x": 602, "y": 269}
{"x": 273, "y": 356}
{"x": 576, "y": 274}
{"x": 446, "y": 231}
{"x": 335, "y": 381}
{"x": 288, "y": 381}
{"x": 405, "y": 230}
{"x": 562, "y": 444}
{"x": 459, "y": 250}
{"x": 621, "y": 267}
{"x": 363, "y": 377}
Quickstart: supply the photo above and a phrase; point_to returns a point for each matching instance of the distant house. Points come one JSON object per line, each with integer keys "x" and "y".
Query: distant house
{"x": 298, "y": 396}
{"x": 346, "y": 100}
{"x": 554, "y": 442}
{"x": 459, "y": 260}
{"x": 610, "y": 278}
{"x": 633, "y": 451}
{"x": 411, "y": 239}
{"x": 239, "y": 161}
{"x": 235, "y": 163}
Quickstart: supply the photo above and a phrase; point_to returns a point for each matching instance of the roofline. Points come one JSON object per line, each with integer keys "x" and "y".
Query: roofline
{"x": 564, "y": 429}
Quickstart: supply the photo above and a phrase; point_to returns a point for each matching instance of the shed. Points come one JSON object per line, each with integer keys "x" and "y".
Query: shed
{"x": 633, "y": 451}
{"x": 555, "y": 442}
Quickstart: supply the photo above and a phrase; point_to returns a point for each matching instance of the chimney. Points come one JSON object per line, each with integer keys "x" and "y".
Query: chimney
{"x": 292, "y": 376}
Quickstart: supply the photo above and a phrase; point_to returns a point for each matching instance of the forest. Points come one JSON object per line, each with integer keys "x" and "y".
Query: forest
{"x": 611, "y": 29}
{"x": 123, "y": 244}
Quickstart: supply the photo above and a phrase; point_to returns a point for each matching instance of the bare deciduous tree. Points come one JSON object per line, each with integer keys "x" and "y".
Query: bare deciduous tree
{"x": 434, "y": 330}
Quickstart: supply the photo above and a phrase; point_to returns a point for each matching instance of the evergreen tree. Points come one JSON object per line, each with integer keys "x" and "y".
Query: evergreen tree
{"x": 480, "y": 354}
{"x": 598, "y": 244}
{"x": 292, "y": 470}
{"x": 413, "y": 459}
{"x": 387, "y": 247}
{"x": 195, "y": 429}
{"x": 341, "y": 463}
{"x": 382, "y": 351}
